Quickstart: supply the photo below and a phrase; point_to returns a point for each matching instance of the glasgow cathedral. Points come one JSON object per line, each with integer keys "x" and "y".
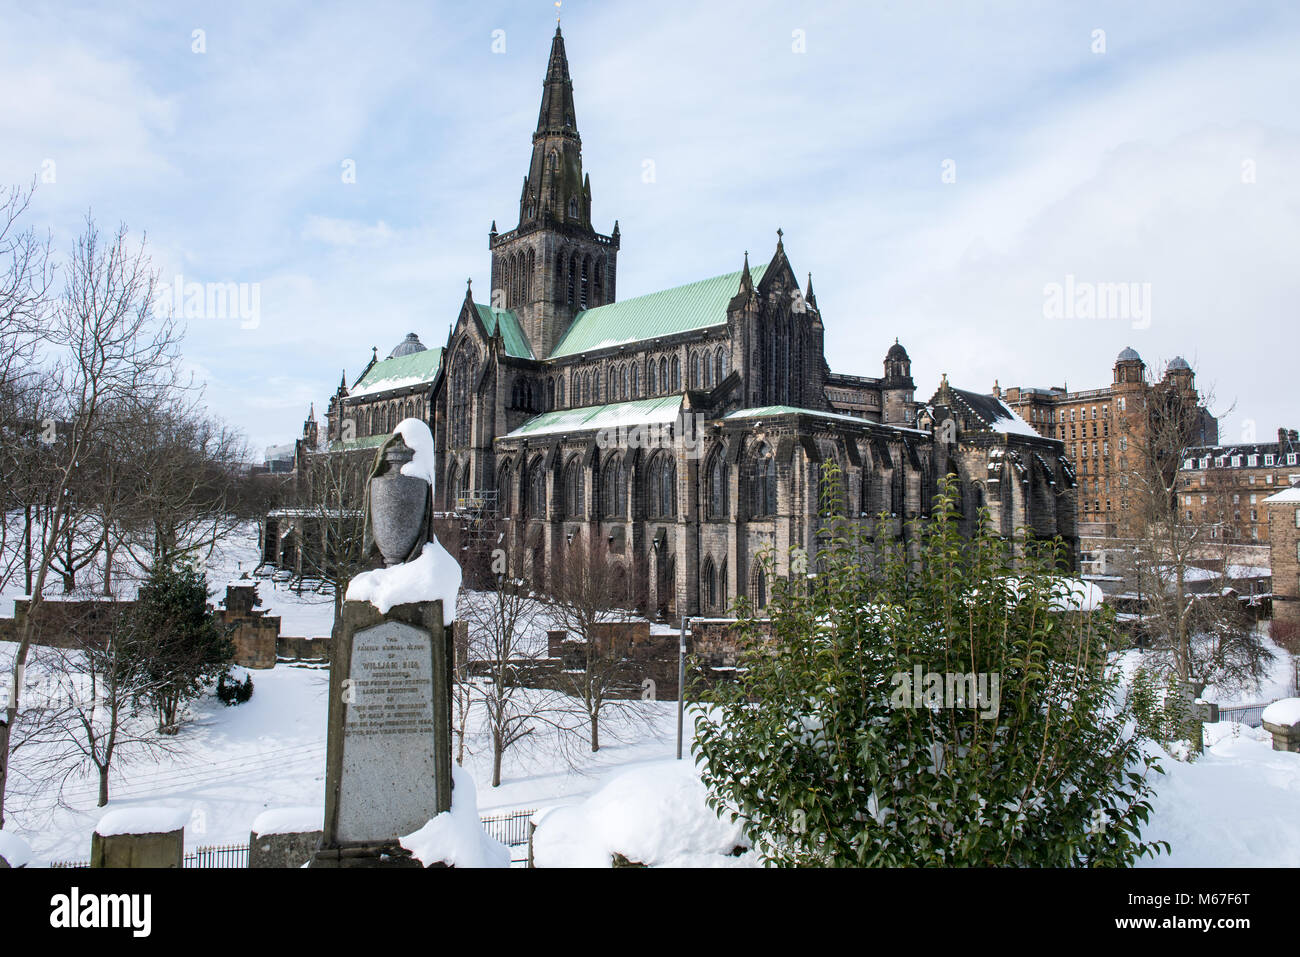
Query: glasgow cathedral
{"x": 683, "y": 431}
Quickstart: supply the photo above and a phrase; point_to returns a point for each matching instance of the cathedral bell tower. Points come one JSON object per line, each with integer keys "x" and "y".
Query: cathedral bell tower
{"x": 553, "y": 264}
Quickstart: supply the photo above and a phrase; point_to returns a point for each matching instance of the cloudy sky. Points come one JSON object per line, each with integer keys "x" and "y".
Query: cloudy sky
{"x": 936, "y": 165}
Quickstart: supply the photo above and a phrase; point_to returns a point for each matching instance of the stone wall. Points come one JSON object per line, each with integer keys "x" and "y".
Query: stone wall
{"x": 255, "y": 634}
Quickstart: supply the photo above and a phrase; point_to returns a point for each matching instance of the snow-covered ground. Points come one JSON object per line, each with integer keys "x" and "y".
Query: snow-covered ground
{"x": 1234, "y": 806}
{"x": 232, "y": 764}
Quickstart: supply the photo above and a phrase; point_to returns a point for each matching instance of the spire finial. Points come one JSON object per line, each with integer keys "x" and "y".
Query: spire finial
{"x": 557, "y": 16}
{"x": 780, "y": 237}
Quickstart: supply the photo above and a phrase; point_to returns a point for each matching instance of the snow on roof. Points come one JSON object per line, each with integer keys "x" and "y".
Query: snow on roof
{"x": 658, "y": 411}
{"x": 765, "y": 411}
{"x": 142, "y": 820}
{"x": 416, "y": 368}
{"x": 1289, "y": 496}
{"x": 289, "y": 820}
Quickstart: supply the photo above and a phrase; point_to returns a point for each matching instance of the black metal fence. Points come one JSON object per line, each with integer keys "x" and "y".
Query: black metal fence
{"x": 510, "y": 829}
{"x": 1251, "y": 715}
{"x": 223, "y": 855}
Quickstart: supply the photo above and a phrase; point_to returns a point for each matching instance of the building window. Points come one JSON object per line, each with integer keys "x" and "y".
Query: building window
{"x": 504, "y": 488}
{"x": 717, "y": 486}
{"x": 710, "y": 580}
{"x": 537, "y": 490}
{"x": 461, "y": 378}
{"x": 762, "y": 483}
{"x": 635, "y": 383}
{"x": 614, "y": 500}
{"x": 573, "y": 502}
{"x": 677, "y": 375}
{"x": 653, "y": 379}
{"x": 661, "y": 496}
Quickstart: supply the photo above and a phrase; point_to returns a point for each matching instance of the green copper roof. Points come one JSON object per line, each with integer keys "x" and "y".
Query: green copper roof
{"x": 697, "y": 305}
{"x": 764, "y": 411}
{"x": 413, "y": 369}
{"x": 516, "y": 342}
{"x": 369, "y": 442}
{"x": 659, "y": 410}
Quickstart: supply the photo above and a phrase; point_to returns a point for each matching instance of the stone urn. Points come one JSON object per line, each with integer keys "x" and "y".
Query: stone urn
{"x": 397, "y": 504}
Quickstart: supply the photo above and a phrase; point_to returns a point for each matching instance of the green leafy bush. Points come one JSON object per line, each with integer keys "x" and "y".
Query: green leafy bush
{"x": 232, "y": 690}
{"x": 823, "y": 752}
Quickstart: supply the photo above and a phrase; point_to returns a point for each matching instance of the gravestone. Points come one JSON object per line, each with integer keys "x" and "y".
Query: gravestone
{"x": 388, "y": 760}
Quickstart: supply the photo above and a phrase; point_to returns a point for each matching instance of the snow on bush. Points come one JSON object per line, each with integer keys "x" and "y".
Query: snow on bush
{"x": 456, "y": 837}
{"x": 142, "y": 820}
{"x": 289, "y": 820}
{"x": 652, "y": 814}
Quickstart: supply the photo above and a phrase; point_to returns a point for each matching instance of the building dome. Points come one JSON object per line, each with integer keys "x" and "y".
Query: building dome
{"x": 1179, "y": 364}
{"x": 896, "y": 353}
{"x": 408, "y": 346}
{"x": 1129, "y": 355}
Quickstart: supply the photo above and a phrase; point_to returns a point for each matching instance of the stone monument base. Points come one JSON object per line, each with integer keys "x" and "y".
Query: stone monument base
{"x": 366, "y": 855}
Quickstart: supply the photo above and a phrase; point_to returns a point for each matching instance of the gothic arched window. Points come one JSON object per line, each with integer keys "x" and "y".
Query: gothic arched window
{"x": 635, "y": 382}
{"x": 595, "y": 386}
{"x": 663, "y": 374}
{"x": 559, "y": 392}
{"x": 614, "y": 489}
{"x": 695, "y": 370}
{"x": 504, "y": 489}
{"x": 719, "y": 364}
{"x": 716, "y": 479}
{"x": 573, "y": 499}
{"x": 653, "y": 380}
{"x": 762, "y": 483}
{"x": 709, "y": 578}
{"x": 461, "y": 379}
{"x": 760, "y": 586}
{"x": 677, "y": 375}
{"x": 453, "y": 485}
{"x": 661, "y": 495}
{"x": 536, "y": 504}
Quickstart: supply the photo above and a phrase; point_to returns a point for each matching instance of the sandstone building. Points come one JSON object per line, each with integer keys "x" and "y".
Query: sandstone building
{"x": 1101, "y": 429}
{"x": 1225, "y": 486}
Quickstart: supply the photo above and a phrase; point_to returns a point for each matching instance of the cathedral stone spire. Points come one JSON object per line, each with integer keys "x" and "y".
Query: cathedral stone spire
{"x": 553, "y": 264}
{"x": 554, "y": 188}
{"x": 557, "y": 91}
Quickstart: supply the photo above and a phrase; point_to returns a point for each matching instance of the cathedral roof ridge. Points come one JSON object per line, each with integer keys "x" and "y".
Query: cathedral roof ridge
{"x": 685, "y": 308}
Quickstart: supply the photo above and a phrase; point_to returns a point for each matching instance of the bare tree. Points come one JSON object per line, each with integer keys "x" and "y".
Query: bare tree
{"x": 111, "y": 349}
{"x": 330, "y": 521}
{"x": 505, "y": 647}
{"x": 594, "y": 604}
{"x": 1181, "y": 558}
{"x": 84, "y": 717}
{"x": 26, "y": 278}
